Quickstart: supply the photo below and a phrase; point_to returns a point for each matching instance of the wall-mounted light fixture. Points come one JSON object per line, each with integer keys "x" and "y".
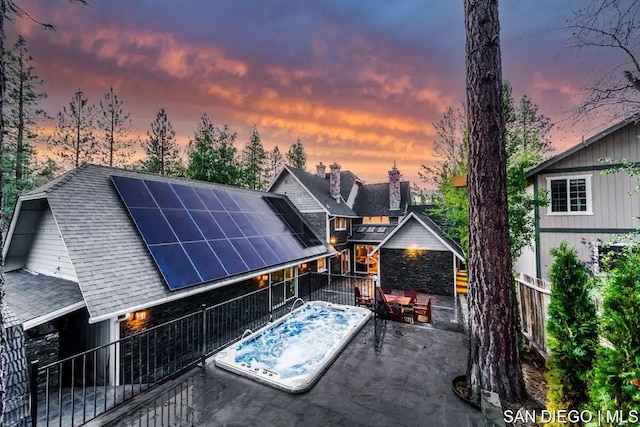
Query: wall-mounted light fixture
{"x": 141, "y": 315}
{"x": 333, "y": 240}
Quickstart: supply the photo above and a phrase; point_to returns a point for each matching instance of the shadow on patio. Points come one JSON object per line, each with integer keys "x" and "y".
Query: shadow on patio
{"x": 402, "y": 377}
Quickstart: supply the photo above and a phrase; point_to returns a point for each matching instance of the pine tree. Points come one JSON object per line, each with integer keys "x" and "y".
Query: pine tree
{"x": 225, "y": 168}
{"x": 161, "y": 148}
{"x": 493, "y": 362}
{"x": 201, "y": 150}
{"x": 253, "y": 158}
{"x": 21, "y": 115}
{"x": 275, "y": 163}
{"x": 572, "y": 331}
{"x": 616, "y": 371}
{"x": 73, "y": 139}
{"x": 297, "y": 157}
{"x": 114, "y": 124}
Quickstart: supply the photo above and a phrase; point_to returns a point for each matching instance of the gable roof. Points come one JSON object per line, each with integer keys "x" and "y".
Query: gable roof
{"x": 115, "y": 270}
{"x": 347, "y": 179}
{"x": 373, "y": 200}
{"x": 319, "y": 189}
{"x": 432, "y": 227}
{"x": 594, "y": 139}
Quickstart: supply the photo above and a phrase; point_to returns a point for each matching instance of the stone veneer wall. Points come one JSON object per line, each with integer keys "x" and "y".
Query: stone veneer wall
{"x": 426, "y": 271}
{"x": 16, "y": 374}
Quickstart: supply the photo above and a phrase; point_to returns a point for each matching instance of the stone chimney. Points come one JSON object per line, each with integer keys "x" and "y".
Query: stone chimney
{"x": 334, "y": 181}
{"x": 394, "y": 188}
{"x": 321, "y": 170}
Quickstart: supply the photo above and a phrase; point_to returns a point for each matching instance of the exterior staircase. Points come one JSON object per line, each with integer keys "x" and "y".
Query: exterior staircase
{"x": 462, "y": 282}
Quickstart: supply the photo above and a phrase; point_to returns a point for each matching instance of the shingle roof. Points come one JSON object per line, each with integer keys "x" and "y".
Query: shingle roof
{"x": 114, "y": 267}
{"x": 319, "y": 188}
{"x": 371, "y": 236}
{"x": 347, "y": 178}
{"x": 373, "y": 200}
{"x": 30, "y": 296}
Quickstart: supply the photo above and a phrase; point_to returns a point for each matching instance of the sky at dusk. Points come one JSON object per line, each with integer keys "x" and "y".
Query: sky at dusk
{"x": 359, "y": 82}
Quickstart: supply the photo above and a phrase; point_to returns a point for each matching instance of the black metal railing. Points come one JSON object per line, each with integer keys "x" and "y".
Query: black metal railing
{"x": 77, "y": 389}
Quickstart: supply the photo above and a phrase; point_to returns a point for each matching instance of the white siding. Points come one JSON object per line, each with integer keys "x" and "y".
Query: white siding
{"x": 48, "y": 254}
{"x": 414, "y": 235}
{"x": 298, "y": 195}
{"x": 353, "y": 194}
{"x": 526, "y": 263}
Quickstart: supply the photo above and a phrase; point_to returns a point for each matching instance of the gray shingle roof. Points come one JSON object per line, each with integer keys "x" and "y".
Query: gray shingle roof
{"x": 30, "y": 296}
{"x": 114, "y": 267}
{"x": 374, "y": 236}
{"x": 319, "y": 188}
{"x": 347, "y": 178}
{"x": 373, "y": 200}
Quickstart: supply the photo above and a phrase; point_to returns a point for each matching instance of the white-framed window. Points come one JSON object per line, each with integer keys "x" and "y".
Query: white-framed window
{"x": 341, "y": 223}
{"x": 322, "y": 264}
{"x": 570, "y": 195}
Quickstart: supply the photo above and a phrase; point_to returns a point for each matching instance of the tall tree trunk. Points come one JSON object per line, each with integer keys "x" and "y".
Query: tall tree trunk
{"x": 20, "y": 135}
{"x": 493, "y": 340}
{"x": 3, "y": 11}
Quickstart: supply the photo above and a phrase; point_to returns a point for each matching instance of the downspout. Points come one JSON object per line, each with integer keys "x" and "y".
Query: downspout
{"x": 536, "y": 225}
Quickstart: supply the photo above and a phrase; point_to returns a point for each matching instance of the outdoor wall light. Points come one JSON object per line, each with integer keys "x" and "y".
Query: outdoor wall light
{"x": 333, "y": 240}
{"x": 141, "y": 315}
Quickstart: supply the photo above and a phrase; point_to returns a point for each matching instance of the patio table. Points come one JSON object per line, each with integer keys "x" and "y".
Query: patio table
{"x": 398, "y": 299}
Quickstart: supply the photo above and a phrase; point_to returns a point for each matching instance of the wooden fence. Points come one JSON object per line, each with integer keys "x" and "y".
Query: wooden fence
{"x": 533, "y": 299}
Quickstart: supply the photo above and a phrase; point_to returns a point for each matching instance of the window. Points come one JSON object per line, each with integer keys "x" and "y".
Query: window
{"x": 570, "y": 195}
{"x": 341, "y": 223}
{"x": 361, "y": 229}
{"x": 363, "y": 262}
{"x": 283, "y": 286}
{"x": 375, "y": 220}
{"x": 381, "y": 229}
{"x": 322, "y": 264}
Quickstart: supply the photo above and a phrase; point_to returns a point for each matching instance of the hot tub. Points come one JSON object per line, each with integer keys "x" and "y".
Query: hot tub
{"x": 292, "y": 353}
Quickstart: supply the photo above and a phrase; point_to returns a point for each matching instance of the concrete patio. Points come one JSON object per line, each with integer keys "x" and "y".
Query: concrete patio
{"x": 402, "y": 377}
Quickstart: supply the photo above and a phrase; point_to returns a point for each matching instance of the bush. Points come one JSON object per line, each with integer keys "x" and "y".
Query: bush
{"x": 572, "y": 331}
{"x": 616, "y": 373}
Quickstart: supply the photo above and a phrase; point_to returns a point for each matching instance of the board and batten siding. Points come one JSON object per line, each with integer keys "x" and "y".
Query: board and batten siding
{"x": 615, "y": 204}
{"x": 299, "y": 196}
{"x": 49, "y": 254}
{"x": 414, "y": 235}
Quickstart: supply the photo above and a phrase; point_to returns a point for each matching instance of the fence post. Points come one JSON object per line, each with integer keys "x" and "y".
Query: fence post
{"x": 33, "y": 391}
{"x": 204, "y": 334}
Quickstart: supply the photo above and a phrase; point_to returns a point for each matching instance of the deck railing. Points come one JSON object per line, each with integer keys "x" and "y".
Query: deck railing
{"x": 533, "y": 299}
{"x": 77, "y": 389}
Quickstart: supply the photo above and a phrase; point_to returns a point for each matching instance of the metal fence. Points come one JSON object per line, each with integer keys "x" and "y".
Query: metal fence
{"x": 533, "y": 300}
{"x": 82, "y": 387}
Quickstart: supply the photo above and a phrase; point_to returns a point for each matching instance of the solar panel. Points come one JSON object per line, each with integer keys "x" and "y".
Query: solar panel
{"x": 197, "y": 234}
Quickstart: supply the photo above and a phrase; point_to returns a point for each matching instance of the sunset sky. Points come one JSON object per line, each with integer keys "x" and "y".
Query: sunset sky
{"x": 359, "y": 82}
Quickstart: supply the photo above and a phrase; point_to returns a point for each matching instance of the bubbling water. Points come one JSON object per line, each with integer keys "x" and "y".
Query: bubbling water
{"x": 300, "y": 342}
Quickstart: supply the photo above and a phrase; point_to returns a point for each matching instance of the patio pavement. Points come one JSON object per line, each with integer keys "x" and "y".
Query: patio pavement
{"x": 402, "y": 379}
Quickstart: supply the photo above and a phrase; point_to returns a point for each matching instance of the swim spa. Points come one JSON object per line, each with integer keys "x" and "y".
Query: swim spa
{"x": 293, "y": 352}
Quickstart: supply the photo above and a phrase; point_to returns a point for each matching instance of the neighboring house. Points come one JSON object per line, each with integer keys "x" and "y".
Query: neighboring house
{"x": 586, "y": 206}
{"x": 95, "y": 246}
{"x": 355, "y": 218}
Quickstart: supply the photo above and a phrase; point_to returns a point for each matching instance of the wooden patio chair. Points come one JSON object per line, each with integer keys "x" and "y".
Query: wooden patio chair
{"x": 362, "y": 300}
{"x": 411, "y": 293}
{"x": 386, "y": 289}
{"x": 422, "y": 312}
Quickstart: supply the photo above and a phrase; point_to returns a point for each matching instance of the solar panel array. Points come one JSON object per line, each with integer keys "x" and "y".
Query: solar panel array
{"x": 198, "y": 234}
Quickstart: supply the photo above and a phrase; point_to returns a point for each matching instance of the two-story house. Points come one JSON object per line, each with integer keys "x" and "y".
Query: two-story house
{"x": 587, "y": 204}
{"x": 373, "y": 227}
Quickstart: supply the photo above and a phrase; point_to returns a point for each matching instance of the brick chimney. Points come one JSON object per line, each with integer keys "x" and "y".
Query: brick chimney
{"x": 321, "y": 170}
{"x": 394, "y": 188}
{"x": 334, "y": 181}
